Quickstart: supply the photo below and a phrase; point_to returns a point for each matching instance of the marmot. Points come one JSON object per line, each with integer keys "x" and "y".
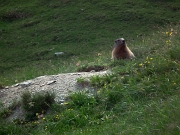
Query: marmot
{"x": 121, "y": 50}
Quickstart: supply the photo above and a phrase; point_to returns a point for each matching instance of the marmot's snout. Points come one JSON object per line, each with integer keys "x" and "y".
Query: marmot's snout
{"x": 123, "y": 41}
{"x": 120, "y": 41}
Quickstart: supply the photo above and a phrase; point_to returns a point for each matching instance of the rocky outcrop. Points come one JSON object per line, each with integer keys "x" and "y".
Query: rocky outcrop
{"x": 61, "y": 85}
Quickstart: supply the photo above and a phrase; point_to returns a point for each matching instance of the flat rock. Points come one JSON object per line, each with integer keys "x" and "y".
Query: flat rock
{"x": 51, "y": 82}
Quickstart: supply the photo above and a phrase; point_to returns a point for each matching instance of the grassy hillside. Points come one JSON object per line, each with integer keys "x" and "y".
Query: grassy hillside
{"x": 31, "y": 32}
{"x": 141, "y": 97}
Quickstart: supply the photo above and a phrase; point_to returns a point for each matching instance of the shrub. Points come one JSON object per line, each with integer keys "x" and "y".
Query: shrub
{"x": 36, "y": 103}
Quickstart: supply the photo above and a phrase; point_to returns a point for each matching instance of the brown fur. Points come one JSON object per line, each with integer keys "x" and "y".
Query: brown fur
{"x": 121, "y": 50}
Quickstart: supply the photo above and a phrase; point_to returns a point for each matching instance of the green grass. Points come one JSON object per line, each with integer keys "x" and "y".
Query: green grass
{"x": 140, "y": 97}
{"x": 31, "y": 32}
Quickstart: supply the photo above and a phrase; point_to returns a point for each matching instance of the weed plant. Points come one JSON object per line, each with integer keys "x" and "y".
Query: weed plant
{"x": 36, "y": 104}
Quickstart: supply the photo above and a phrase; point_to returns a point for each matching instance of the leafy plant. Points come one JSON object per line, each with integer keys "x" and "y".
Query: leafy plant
{"x": 36, "y": 103}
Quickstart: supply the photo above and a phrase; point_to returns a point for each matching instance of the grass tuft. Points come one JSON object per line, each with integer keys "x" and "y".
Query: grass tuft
{"x": 36, "y": 103}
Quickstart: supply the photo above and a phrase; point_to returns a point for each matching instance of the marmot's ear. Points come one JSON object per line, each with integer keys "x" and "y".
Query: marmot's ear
{"x": 115, "y": 41}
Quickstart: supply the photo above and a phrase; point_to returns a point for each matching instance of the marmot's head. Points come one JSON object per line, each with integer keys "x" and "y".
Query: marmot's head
{"x": 120, "y": 42}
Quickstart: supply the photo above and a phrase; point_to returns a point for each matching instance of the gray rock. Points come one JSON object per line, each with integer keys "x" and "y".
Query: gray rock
{"x": 25, "y": 84}
{"x": 16, "y": 85}
{"x": 59, "y": 53}
{"x": 50, "y": 82}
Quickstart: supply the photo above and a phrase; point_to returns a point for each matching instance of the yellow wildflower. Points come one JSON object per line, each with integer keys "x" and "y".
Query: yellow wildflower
{"x": 167, "y": 33}
{"x": 171, "y": 34}
{"x": 167, "y": 41}
{"x": 57, "y": 116}
{"x": 151, "y": 58}
{"x": 65, "y": 103}
{"x": 140, "y": 65}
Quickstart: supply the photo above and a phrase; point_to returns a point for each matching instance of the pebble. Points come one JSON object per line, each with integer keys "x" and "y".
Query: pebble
{"x": 51, "y": 82}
